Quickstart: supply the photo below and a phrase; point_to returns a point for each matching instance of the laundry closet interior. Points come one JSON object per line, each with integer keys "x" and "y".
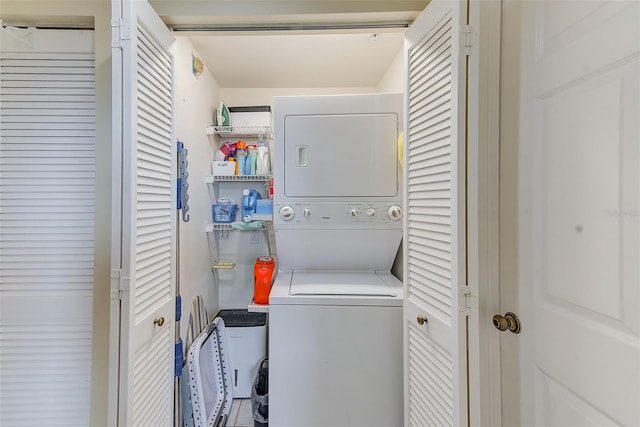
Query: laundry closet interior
{"x": 326, "y": 99}
{"x": 325, "y": 64}
{"x": 251, "y": 73}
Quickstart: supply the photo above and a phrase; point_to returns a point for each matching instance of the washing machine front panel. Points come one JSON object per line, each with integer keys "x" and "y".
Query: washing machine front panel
{"x": 338, "y": 366}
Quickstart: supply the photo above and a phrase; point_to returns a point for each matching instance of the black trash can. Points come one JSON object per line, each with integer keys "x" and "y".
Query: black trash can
{"x": 260, "y": 396}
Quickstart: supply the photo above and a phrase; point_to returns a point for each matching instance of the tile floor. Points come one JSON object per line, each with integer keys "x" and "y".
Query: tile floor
{"x": 240, "y": 415}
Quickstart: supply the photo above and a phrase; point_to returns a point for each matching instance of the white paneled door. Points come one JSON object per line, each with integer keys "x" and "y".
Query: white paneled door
{"x": 144, "y": 249}
{"x": 579, "y": 233}
{"x": 435, "y": 318}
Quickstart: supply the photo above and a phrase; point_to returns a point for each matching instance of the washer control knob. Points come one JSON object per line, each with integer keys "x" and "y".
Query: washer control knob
{"x": 287, "y": 213}
{"x": 394, "y": 213}
{"x": 355, "y": 212}
{"x": 371, "y": 211}
{"x": 306, "y": 212}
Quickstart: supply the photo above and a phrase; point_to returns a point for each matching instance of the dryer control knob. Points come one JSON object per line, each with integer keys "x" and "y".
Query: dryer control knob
{"x": 394, "y": 213}
{"x": 306, "y": 212}
{"x": 287, "y": 213}
{"x": 371, "y": 211}
{"x": 355, "y": 212}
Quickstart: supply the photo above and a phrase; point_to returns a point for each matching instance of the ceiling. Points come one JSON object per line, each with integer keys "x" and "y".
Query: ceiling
{"x": 294, "y": 43}
{"x": 343, "y": 59}
{"x": 265, "y": 43}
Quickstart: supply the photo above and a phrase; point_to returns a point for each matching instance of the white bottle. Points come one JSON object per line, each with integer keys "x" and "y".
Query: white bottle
{"x": 262, "y": 166}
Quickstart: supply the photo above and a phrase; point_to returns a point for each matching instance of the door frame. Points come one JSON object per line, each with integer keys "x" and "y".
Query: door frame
{"x": 116, "y": 222}
{"x": 483, "y": 205}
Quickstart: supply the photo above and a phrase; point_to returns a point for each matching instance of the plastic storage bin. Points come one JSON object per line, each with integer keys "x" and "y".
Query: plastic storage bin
{"x": 247, "y": 342}
{"x": 224, "y": 213}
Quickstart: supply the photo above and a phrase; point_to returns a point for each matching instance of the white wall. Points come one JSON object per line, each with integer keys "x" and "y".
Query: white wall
{"x": 196, "y": 100}
{"x": 393, "y": 79}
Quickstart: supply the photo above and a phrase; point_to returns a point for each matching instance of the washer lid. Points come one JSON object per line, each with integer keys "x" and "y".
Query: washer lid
{"x": 340, "y": 283}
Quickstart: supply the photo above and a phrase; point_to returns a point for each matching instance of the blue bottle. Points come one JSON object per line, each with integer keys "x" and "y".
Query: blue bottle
{"x": 241, "y": 158}
{"x": 252, "y": 158}
{"x": 250, "y": 198}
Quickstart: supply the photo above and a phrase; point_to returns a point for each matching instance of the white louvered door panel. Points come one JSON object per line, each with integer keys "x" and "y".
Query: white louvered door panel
{"x": 435, "y": 352}
{"x": 148, "y": 221}
{"x": 47, "y": 208}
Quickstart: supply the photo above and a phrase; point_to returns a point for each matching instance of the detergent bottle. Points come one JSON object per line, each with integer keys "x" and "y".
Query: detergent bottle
{"x": 262, "y": 278}
{"x": 241, "y": 157}
{"x": 262, "y": 162}
{"x": 250, "y": 165}
{"x": 250, "y": 198}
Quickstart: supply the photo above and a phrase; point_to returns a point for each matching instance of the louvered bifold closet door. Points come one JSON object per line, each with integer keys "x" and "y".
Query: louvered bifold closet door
{"x": 148, "y": 215}
{"x": 435, "y": 360}
{"x": 47, "y": 199}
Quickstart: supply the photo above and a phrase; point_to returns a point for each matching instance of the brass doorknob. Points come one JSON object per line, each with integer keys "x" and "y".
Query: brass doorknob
{"x": 507, "y": 322}
{"x": 159, "y": 321}
{"x": 421, "y": 319}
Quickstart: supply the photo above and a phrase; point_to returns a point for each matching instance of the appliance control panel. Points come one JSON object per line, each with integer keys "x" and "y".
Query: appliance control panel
{"x": 338, "y": 213}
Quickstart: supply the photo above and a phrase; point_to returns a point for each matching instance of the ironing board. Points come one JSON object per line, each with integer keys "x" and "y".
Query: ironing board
{"x": 209, "y": 376}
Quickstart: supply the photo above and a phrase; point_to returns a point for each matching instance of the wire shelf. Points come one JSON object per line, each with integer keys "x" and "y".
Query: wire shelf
{"x": 262, "y": 132}
{"x": 210, "y": 179}
{"x": 221, "y": 226}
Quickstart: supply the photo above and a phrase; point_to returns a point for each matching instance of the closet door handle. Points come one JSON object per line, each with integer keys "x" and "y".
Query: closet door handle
{"x": 159, "y": 321}
{"x": 508, "y": 322}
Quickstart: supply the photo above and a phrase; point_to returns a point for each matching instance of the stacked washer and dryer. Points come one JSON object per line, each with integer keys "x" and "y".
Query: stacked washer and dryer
{"x": 335, "y": 310}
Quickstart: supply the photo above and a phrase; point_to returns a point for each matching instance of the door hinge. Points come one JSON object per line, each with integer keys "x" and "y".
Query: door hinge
{"x": 119, "y": 284}
{"x": 119, "y": 32}
{"x": 468, "y": 297}
{"x": 467, "y": 40}
{"x": 116, "y": 41}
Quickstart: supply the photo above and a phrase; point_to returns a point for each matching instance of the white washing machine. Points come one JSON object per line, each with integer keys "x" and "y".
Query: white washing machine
{"x": 335, "y": 310}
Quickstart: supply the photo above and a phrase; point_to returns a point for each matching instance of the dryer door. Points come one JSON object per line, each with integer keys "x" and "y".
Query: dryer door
{"x": 337, "y": 146}
{"x": 343, "y": 155}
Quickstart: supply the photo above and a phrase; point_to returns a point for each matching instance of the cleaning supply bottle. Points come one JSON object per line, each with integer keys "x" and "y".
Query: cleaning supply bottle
{"x": 253, "y": 160}
{"x": 262, "y": 278}
{"x": 250, "y": 198}
{"x": 262, "y": 162}
{"x": 241, "y": 157}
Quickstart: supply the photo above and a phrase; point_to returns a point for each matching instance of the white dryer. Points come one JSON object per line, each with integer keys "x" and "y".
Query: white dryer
{"x": 335, "y": 310}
